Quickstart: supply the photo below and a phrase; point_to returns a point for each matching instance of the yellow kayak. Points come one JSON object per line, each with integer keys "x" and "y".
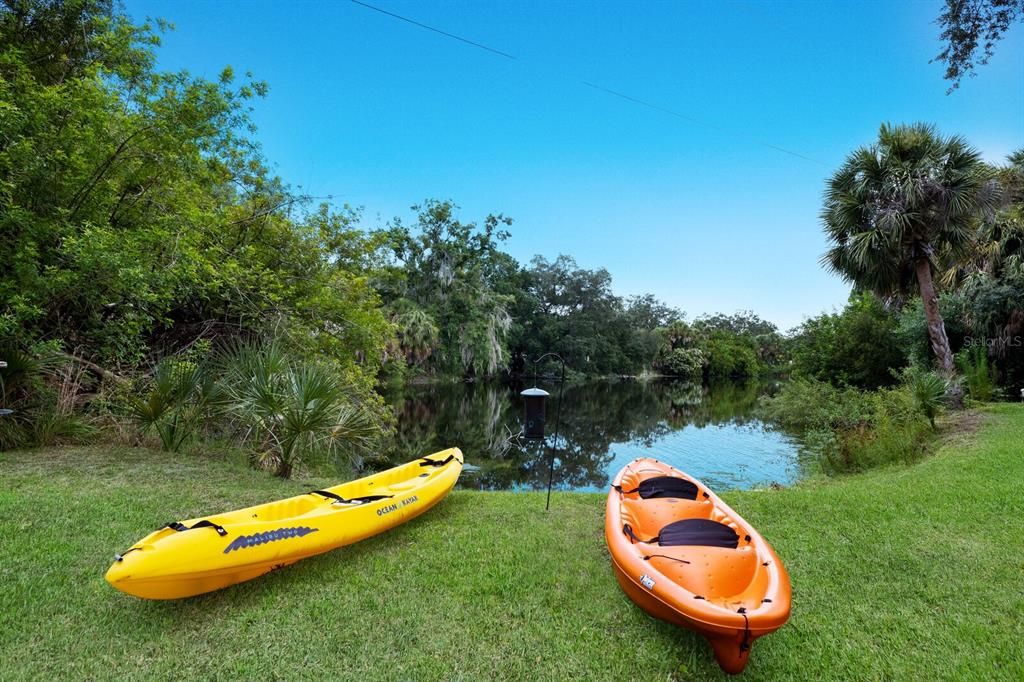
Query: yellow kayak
{"x": 200, "y": 555}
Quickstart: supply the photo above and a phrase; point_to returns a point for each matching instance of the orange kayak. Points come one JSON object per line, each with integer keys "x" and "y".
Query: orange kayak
{"x": 685, "y": 557}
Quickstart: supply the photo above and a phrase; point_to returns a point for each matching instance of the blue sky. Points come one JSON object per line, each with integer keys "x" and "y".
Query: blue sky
{"x": 381, "y": 114}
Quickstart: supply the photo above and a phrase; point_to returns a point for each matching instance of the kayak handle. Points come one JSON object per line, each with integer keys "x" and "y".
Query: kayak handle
{"x": 427, "y": 462}
{"x": 120, "y": 557}
{"x": 178, "y": 526}
{"x": 355, "y": 500}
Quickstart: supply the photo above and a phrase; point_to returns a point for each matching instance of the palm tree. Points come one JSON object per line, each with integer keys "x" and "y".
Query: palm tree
{"x": 998, "y": 251}
{"x": 292, "y": 411}
{"x": 418, "y": 335}
{"x": 180, "y": 396}
{"x": 895, "y": 205}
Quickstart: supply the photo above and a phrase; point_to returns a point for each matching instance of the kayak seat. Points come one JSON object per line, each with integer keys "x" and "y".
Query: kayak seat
{"x": 665, "y": 486}
{"x": 703, "y": 532}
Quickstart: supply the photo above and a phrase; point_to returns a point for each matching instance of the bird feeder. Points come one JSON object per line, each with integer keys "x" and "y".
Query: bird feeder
{"x": 534, "y": 401}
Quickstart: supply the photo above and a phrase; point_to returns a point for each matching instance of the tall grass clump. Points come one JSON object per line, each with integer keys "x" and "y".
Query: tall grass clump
{"x": 845, "y": 429}
{"x": 41, "y": 389}
{"x": 978, "y": 374}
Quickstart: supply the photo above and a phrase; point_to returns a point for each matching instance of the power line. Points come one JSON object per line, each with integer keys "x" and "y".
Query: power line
{"x": 431, "y": 28}
{"x": 699, "y": 122}
{"x": 595, "y": 86}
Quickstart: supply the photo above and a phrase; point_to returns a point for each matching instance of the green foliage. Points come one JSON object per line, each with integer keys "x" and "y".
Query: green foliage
{"x": 139, "y": 216}
{"x": 977, "y": 373}
{"x": 809, "y": 405}
{"x": 895, "y": 434}
{"x": 140, "y": 220}
{"x": 730, "y": 357}
{"x": 744, "y": 323}
{"x": 417, "y": 335}
{"x": 997, "y": 251}
{"x": 41, "y": 389}
{"x": 22, "y": 373}
{"x": 293, "y": 412}
{"x": 719, "y": 348}
{"x": 19, "y": 381}
{"x": 991, "y": 312}
{"x": 845, "y": 429}
{"x": 897, "y": 203}
{"x": 687, "y": 363}
{"x": 928, "y": 390}
{"x": 912, "y": 328}
{"x": 970, "y": 31}
{"x": 574, "y": 312}
{"x": 761, "y": 335}
{"x": 983, "y": 312}
{"x": 445, "y": 288}
{"x": 180, "y": 396}
{"x": 858, "y": 347}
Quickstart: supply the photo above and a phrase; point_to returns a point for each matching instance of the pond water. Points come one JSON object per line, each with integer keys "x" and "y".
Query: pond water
{"x": 710, "y": 433}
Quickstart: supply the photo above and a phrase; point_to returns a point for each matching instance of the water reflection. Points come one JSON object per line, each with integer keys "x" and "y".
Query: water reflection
{"x": 711, "y": 433}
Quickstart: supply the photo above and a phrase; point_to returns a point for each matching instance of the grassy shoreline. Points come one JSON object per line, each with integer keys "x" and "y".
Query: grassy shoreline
{"x": 908, "y": 572}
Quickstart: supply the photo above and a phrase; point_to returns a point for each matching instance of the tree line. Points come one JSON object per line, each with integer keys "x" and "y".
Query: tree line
{"x": 141, "y": 225}
{"x": 141, "y": 221}
{"x": 148, "y": 253}
{"x": 462, "y": 307}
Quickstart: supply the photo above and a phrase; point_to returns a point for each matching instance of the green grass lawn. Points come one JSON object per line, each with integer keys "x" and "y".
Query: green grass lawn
{"x": 904, "y": 573}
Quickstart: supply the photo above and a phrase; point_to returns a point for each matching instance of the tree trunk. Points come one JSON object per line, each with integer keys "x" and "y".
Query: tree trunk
{"x": 937, "y": 329}
{"x": 103, "y": 373}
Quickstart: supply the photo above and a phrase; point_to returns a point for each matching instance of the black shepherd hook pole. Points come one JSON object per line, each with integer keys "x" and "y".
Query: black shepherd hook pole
{"x": 558, "y": 420}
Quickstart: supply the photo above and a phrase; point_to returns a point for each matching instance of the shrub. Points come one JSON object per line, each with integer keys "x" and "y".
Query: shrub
{"x": 893, "y": 433}
{"x": 40, "y": 388}
{"x": 845, "y": 429}
{"x": 684, "y": 362}
{"x": 293, "y": 412}
{"x": 928, "y": 390}
{"x": 730, "y": 357}
{"x": 179, "y": 397}
{"x": 985, "y": 312}
{"x": 857, "y": 347}
{"x": 978, "y": 374}
{"x": 811, "y": 405}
